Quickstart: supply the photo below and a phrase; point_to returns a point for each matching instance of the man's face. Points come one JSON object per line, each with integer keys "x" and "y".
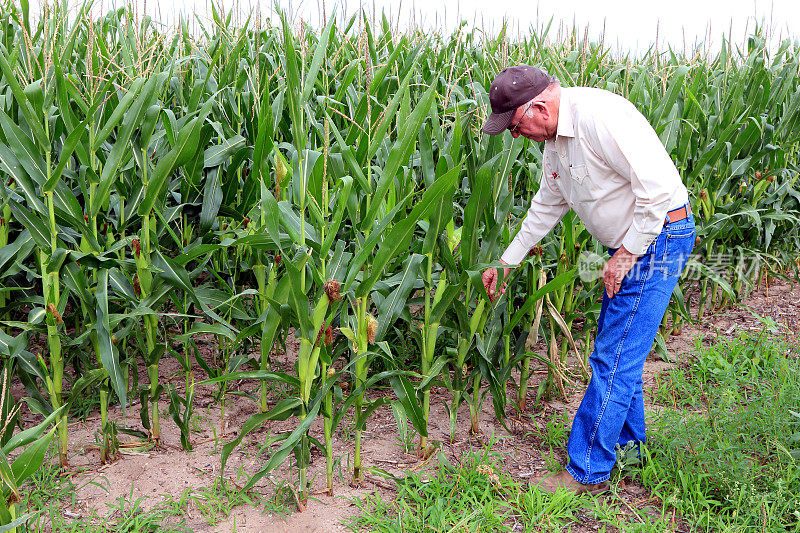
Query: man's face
{"x": 535, "y": 124}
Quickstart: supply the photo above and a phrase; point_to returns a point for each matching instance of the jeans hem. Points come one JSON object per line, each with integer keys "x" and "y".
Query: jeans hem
{"x": 571, "y": 471}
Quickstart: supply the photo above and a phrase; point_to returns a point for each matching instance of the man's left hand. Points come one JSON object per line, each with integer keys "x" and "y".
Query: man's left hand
{"x": 616, "y": 269}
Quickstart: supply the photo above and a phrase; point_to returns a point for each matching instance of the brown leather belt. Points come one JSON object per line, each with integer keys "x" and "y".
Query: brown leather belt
{"x": 678, "y": 214}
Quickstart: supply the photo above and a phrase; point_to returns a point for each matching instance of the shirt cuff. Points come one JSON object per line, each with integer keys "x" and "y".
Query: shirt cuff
{"x": 637, "y": 243}
{"x": 515, "y": 253}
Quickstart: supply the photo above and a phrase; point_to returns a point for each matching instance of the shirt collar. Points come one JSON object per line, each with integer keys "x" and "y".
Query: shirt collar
{"x": 565, "y": 127}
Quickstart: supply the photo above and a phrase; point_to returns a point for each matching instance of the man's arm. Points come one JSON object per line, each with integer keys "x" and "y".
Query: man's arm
{"x": 547, "y": 208}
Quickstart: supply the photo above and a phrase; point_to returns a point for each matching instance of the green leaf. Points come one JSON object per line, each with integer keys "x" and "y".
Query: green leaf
{"x": 479, "y": 200}
{"x": 14, "y": 347}
{"x": 319, "y": 55}
{"x": 109, "y": 356}
{"x": 445, "y": 300}
{"x": 393, "y": 305}
{"x": 406, "y": 394}
{"x": 75, "y": 278}
{"x": 56, "y": 260}
{"x": 400, "y": 235}
{"x": 199, "y": 328}
{"x": 212, "y": 199}
{"x": 297, "y": 295}
{"x": 24, "y": 149}
{"x": 399, "y": 155}
{"x": 282, "y": 410}
{"x": 255, "y": 374}
{"x": 185, "y": 146}
{"x": 332, "y": 229}
{"x": 9, "y": 164}
{"x": 366, "y": 250}
{"x": 88, "y": 380}
{"x": 671, "y": 96}
{"x": 389, "y": 116}
{"x": 433, "y": 372}
{"x": 294, "y": 89}
{"x": 9, "y": 484}
{"x": 121, "y": 150}
{"x": 121, "y": 285}
{"x": 13, "y": 525}
{"x": 117, "y": 114}
{"x": 26, "y": 436}
{"x": 271, "y": 215}
{"x": 31, "y": 459}
{"x": 294, "y": 438}
{"x": 30, "y": 114}
{"x": 361, "y": 421}
{"x": 547, "y": 288}
{"x": 35, "y": 225}
{"x": 178, "y": 277}
{"x": 264, "y": 144}
{"x": 218, "y": 154}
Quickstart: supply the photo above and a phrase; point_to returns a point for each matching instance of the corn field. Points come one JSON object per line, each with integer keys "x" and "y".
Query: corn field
{"x": 267, "y": 180}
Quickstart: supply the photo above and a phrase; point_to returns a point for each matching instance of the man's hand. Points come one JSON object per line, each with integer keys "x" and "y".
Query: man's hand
{"x": 490, "y": 278}
{"x": 616, "y": 269}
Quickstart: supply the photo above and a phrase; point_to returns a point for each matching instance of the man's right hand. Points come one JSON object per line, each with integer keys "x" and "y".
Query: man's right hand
{"x": 490, "y": 278}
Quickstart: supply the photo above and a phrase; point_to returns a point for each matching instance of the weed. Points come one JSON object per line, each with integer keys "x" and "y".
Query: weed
{"x": 46, "y": 492}
{"x": 470, "y": 496}
{"x": 552, "y": 461}
{"x": 216, "y": 501}
{"x": 557, "y": 431}
{"x": 727, "y": 467}
{"x": 131, "y": 516}
{"x": 550, "y": 512}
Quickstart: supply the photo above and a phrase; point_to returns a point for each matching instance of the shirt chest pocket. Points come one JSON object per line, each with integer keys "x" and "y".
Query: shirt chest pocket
{"x": 582, "y": 187}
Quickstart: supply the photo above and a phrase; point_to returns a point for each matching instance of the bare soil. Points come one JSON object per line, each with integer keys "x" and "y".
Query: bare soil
{"x": 168, "y": 472}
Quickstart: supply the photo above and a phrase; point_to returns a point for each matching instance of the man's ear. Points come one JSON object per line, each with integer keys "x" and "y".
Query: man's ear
{"x": 541, "y": 108}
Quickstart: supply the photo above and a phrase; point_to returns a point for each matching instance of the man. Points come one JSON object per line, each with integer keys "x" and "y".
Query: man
{"x": 603, "y": 160}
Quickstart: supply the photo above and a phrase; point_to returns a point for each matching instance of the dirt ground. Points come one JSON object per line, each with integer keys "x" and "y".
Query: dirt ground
{"x": 169, "y": 472}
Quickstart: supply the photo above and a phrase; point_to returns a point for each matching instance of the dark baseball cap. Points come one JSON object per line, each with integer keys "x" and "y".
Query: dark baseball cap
{"x": 510, "y": 89}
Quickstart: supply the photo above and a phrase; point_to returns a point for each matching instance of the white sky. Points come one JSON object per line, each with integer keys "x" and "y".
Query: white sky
{"x": 628, "y": 25}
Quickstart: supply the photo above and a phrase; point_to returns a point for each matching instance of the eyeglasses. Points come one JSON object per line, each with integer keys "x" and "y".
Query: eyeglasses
{"x": 513, "y": 128}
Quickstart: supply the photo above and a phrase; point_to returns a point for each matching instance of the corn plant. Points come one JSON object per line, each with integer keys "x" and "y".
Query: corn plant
{"x": 266, "y": 180}
{"x": 35, "y": 442}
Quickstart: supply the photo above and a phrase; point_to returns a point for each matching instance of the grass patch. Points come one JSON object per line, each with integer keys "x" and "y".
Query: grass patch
{"x": 723, "y": 452}
{"x": 723, "y": 455}
{"x": 476, "y": 495}
{"x": 45, "y": 493}
{"x": 469, "y": 496}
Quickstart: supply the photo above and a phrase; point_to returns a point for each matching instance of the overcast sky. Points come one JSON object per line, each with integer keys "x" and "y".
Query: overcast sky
{"x": 629, "y": 25}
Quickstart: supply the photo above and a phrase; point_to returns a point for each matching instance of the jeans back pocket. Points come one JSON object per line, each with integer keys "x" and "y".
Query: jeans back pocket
{"x": 678, "y": 246}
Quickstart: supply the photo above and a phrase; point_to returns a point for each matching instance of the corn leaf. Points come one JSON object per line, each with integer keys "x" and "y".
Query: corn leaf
{"x": 294, "y": 438}
{"x": 406, "y": 394}
{"x": 393, "y": 305}
{"x": 185, "y": 146}
{"x": 31, "y": 459}
{"x": 35, "y": 225}
{"x": 109, "y": 355}
{"x": 399, "y": 154}
{"x": 400, "y": 235}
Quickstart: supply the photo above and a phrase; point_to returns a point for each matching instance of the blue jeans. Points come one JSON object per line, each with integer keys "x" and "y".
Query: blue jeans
{"x": 612, "y": 410}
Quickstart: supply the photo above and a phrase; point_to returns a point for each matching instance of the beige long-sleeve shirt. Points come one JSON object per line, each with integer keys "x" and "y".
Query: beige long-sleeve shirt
{"x": 609, "y": 166}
